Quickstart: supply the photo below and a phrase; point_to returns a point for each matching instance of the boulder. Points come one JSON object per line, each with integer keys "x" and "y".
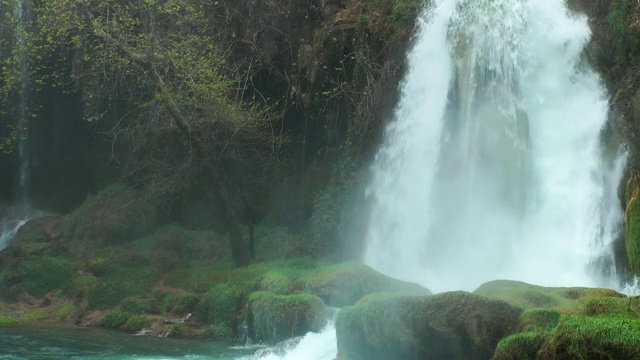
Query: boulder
{"x": 274, "y": 318}
{"x": 344, "y": 284}
{"x": 452, "y": 326}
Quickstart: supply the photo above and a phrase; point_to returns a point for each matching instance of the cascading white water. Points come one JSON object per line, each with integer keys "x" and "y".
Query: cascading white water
{"x": 492, "y": 167}
{"x": 312, "y": 346}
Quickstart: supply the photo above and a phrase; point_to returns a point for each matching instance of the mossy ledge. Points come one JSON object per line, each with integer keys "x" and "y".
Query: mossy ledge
{"x": 455, "y": 325}
{"x": 171, "y": 282}
{"x": 273, "y": 318}
{"x": 501, "y": 320}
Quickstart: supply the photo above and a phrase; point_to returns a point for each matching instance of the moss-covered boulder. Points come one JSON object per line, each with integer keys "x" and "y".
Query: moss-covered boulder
{"x": 344, "y": 284}
{"x": 454, "y": 325}
{"x": 567, "y": 323}
{"x": 520, "y": 346}
{"x": 273, "y": 318}
{"x": 580, "y": 337}
{"x": 531, "y": 296}
{"x": 113, "y": 216}
{"x": 222, "y": 309}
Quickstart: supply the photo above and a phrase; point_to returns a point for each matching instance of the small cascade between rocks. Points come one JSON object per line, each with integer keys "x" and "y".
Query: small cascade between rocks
{"x": 312, "y": 346}
{"x": 494, "y": 166}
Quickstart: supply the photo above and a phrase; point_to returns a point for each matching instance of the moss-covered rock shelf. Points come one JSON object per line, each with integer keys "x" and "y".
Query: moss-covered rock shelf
{"x": 501, "y": 320}
{"x": 168, "y": 280}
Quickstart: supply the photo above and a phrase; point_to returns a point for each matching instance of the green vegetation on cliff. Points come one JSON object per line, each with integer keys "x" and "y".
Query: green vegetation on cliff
{"x": 632, "y": 221}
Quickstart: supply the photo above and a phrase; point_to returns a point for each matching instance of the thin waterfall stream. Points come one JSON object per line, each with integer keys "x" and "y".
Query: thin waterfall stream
{"x": 12, "y": 218}
{"x": 493, "y": 166}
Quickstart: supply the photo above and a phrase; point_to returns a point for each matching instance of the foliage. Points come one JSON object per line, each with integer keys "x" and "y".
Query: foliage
{"x": 276, "y": 283}
{"x": 632, "y": 223}
{"x": 532, "y": 296}
{"x": 218, "y": 331}
{"x": 521, "y": 346}
{"x": 539, "y": 319}
{"x": 617, "y": 22}
{"x": 115, "y": 319}
{"x": 136, "y": 323}
{"x": 220, "y": 306}
{"x": 41, "y": 275}
{"x": 405, "y": 12}
{"x": 579, "y": 337}
{"x": 7, "y": 321}
{"x": 186, "y": 303}
{"x": 134, "y": 305}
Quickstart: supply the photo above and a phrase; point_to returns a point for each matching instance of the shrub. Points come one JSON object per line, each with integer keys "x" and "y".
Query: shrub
{"x": 115, "y": 319}
{"x": 134, "y": 306}
{"x": 136, "y": 323}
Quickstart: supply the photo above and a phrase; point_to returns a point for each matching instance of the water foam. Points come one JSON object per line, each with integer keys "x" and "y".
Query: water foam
{"x": 493, "y": 166}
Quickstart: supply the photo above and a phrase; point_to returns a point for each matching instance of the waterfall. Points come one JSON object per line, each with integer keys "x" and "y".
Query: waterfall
{"x": 493, "y": 166}
{"x": 23, "y": 113}
{"x": 12, "y": 219}
{"x": 312, "y": 346}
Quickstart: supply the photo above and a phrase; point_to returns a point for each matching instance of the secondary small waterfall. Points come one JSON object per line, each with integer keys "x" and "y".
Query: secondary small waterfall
{"x": 12, "y": 218}
{"x": 23, "y": 112}
{"x": 493, "y": 166}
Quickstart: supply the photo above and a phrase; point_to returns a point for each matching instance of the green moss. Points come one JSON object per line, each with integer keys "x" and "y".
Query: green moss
{"x": 222, "y": 305}
{"x": 521, "y": 346}
{"x": 539, "y": 319}
{"x": 532, "y": 296}
{"x": 115, "y": 319}
{"x": 455, "y": 325}
{"x": 274, "y": 318}
{"x": 43, "y": 274}
{"x": 578, "y": 337}
{"x": 134, "y": 305}
{"x": 632, "y": 233}
{"x": 58, "y": 310}
{"x": 92, "y": 200}
{"x": 218, "y": 331}
{"x": 612, "y": 307}
{"x": 124, "y": 282}
{"x": 99, "y": 266}
{"x": 617, "y": 22}
{"x": 113, "y": 216}
{"x": 64, "y": 311}
{"x": 276, "y": 283}
{"x": 186, "y": 303}
{"x": 136, "y": 323}
{"x": 362, "y": 22}
{"x": 405, "y": 12}
{"x": 344, "y": 284}
{"x": 7, "y": 321}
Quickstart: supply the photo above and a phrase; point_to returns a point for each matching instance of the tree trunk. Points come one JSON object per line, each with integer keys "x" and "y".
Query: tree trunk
{"x": 252, "y": 232}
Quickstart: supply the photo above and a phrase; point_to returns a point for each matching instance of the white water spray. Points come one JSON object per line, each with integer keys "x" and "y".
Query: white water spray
{"x": 492, "y": 167}
{"x": 312, "y": 346}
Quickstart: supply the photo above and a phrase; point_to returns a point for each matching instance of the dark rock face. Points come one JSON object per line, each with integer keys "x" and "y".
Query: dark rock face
{"x": 455, "y": 325}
